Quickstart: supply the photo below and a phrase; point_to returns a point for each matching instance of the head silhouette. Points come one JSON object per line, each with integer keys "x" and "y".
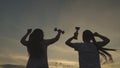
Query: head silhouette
{"x": 87, "y": 36}
{"x": 36, "y": 35}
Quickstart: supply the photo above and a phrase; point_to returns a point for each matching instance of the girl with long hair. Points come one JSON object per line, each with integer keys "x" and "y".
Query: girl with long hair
{"x": 37, "y": 47}
{"x": 87, "y": 50}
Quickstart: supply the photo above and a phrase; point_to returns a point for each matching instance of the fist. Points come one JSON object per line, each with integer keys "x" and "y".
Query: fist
{"x": 75, "y": 35}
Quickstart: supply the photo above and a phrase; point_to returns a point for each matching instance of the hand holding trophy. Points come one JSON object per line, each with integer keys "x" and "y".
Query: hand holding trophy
{"x": 76, "y": 33}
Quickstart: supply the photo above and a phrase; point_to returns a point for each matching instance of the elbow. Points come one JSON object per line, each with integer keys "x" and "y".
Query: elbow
{"x": 21, "y": 42}
{"x": 107, "y": 41}
{"x": 66, "y": 43}
{"x": 69, "y": 44}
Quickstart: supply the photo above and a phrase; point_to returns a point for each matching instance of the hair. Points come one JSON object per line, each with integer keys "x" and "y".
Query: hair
{"x": 88, "y": 36}
{"x": 36, "y": 35}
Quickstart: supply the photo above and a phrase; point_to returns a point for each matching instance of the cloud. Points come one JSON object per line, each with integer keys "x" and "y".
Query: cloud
{"x": 11, "y": 66}
{"x": 52, "y": 64}
{"x": 8, "y": 57}
{"x": 63, "y": 64}
{"x": 112, "y": 65}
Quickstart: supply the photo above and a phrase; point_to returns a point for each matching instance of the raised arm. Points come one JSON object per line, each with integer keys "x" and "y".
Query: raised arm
{"x": 105, "y": 39}
{"x": 23, "y": 40}
{"x": 53, "y": 40}
{"x": 69, "y": 42}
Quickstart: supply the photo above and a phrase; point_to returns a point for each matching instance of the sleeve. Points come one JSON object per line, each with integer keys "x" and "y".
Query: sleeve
{"x": 77, "y": 46}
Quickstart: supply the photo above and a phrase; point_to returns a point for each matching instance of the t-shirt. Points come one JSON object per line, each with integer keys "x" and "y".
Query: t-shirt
{"x": 88, "y": 55}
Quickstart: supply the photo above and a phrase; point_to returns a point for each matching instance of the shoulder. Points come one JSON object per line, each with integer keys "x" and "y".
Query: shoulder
{"x": 78, "y": 46}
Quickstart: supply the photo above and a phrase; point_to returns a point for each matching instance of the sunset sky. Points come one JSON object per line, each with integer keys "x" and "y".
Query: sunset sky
{"x": 16, "y": 16}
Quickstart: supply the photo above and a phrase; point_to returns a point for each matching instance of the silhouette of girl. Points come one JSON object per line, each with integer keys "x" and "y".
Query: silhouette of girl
{"x": 88, "y": 49}
{"x": 37, "y": 48}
